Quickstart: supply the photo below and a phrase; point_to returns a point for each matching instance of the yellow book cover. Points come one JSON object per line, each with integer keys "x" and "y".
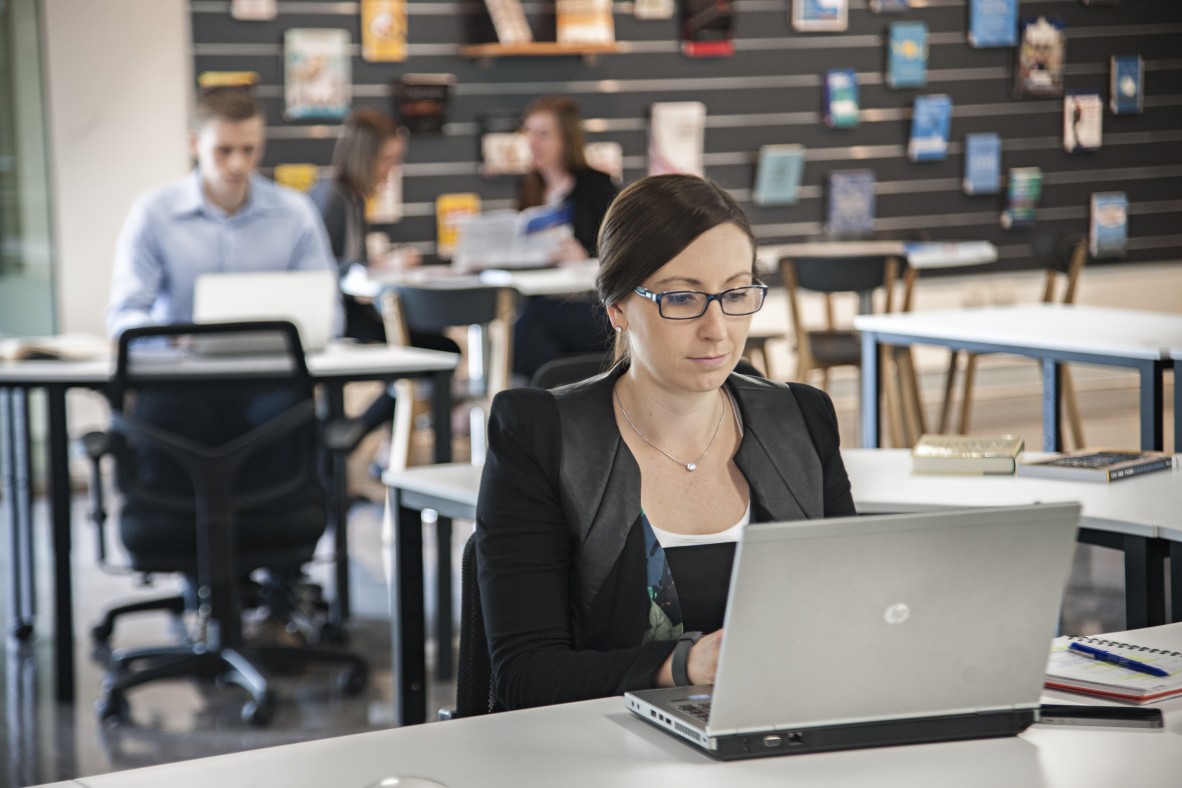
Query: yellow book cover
{"x": 449, "y": 209}
{"x": 301, "y": 177}
{"x": 585, "y": 22}
{"x": 227, "y": 79}
{"x": 383, "y": 30}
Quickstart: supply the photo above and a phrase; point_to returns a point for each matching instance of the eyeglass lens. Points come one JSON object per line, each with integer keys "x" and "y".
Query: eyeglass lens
{"x": 685, "y": 304}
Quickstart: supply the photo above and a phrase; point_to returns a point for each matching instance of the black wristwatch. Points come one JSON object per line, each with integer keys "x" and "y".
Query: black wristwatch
{"x": 680, "y": 665}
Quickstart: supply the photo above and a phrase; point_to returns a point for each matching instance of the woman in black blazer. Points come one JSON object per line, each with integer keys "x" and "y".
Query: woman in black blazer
{"x": 609, "y": 509}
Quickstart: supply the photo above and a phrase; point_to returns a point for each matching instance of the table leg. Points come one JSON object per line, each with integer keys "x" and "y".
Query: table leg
{"x": 338, "y": 512}
{"x": 15, "y": 481}
{"x": 1177, "y": 407}
{"x": 444, "y": 620}
{"x": 870, "y": 390}
{"x": 1152, "y": 403}
{"x": 1052, "y": 409}
{"x": 441, "y": 414}
{"x": 407, "y": 625}
{"x": 59, "y": 489}
{"x": 1175, "y": 580}
{"x": 1145, "y": 588}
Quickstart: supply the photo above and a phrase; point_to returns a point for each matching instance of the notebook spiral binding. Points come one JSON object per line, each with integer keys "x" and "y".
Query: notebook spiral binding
{"x": 1129, "y": 646}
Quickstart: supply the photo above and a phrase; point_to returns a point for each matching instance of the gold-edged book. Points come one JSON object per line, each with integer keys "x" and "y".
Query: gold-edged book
{"x": 966, "y": 454}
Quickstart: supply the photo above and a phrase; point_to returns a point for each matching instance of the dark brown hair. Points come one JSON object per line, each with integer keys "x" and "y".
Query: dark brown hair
{"x": 650, "y": 223}
{"x": 366, "y": 131}
{"x": 230, "y": 104}
{"x": 566, "y": 111}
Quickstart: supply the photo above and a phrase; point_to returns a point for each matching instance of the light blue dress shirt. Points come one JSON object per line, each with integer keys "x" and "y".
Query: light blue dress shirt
{"x": 174, "y": 234}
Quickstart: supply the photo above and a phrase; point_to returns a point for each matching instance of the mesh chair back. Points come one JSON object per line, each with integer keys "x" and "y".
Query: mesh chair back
{"x": 569, "y": 369}
{"x": 842, "y": 274}
{"x": 432, "y": 309}
{"x": 475, "y": 693}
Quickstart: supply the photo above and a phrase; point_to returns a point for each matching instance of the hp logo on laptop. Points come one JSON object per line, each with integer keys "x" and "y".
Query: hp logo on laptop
{"x": 897, "y": 613}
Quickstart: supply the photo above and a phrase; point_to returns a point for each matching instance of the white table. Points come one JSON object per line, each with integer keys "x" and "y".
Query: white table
{"x": 598, "y": 743}
{"x": 1052, "y": 333}
{"x": 566, "y": 279}
{"x": 1176, "y": 358}
{"x": 332, "y": 367}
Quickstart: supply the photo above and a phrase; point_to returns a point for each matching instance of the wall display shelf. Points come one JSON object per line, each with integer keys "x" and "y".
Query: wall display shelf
{"x": 588, "y": 52}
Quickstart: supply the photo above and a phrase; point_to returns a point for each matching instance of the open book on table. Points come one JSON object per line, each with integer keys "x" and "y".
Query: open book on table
{"x": 68, "y": 347}
{"x": 512, "y": 239}
{"x": 1074, "y": 672}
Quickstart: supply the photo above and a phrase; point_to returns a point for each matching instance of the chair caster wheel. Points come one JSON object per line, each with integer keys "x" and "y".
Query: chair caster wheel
{"x": 101, "y": 633}
{"x": 258, "y": 714}
{"x": 22, "y": 631}
{"x": 353, "y": 680}
{"x": 112, "y": 708}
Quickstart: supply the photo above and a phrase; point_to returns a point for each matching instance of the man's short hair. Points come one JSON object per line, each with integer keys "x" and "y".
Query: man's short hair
{"x": 230, "y": 104}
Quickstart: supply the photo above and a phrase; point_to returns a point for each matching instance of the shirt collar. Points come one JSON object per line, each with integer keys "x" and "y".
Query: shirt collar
{"x": 192, "y": 200}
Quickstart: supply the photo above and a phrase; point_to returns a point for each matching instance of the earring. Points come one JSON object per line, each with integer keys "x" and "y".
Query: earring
{"x": 619, "y": 329}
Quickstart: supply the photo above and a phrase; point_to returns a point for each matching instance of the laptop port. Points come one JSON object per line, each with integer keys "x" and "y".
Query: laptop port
{"x": 773, "y": 741}
{"x": 795, "y": 739}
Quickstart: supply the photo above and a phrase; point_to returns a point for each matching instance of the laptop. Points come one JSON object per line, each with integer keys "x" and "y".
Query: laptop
{"x": 307, "y": 298}
{"x": 870, "y": 631}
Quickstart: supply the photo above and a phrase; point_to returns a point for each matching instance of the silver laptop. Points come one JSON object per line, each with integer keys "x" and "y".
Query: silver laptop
{"x": 307, "y": 298}
{"x": 869, "y": 631}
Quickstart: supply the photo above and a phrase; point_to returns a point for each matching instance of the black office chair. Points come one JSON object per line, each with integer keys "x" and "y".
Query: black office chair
{"x": 569, "y": 369}
{"x": 475, "y": 693}
{"x": 218, "y": 460}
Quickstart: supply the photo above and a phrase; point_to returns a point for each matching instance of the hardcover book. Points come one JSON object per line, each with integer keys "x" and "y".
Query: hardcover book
{"x": 584, "y": 22}
{"x": 993, "y": 23}
{"x": 509, "y": 21}
{"x": 1023, "y": 191}
{"x": 841, "y": 98}
{"x": 69, "y": 347}
{"x": 966, "y": 454}
{"x": 778, "y": 174}
{"x": 982, "y": 163}
{"x": 1098, "y": 465}
{"x": 823, "y": 15}
{"x": 504, "y": 150}
{"x": 907, "y": 55}
{"x": 421, "y": 101}
{"x": 1124, "y": 85}
{"x": 383, "y": 30}
{"x": 1067, "y": 670}
{"x": 1042, "y": 49}
{"x": 449, "y": 209}
{"x": 850, "y": 203}
{"x": 1108, "y": 233}
{"x": 317, "y": 73}
{"x": 676, "y": 136}
{"x": 1083, "y": 115}
{"x": 707, "y": 28}
{"x": 931, "y": 120}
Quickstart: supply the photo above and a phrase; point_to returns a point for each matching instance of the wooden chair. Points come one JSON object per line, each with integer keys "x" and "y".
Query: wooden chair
{"x": 1064, "y": 257}
{"x": 431, "y": 309}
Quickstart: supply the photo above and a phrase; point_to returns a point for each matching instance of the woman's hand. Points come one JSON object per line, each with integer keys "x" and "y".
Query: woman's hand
{"x": 701, "y": 665}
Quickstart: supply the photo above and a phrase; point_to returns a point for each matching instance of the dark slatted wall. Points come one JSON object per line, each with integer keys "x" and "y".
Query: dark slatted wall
{"x": 770, "y": 92}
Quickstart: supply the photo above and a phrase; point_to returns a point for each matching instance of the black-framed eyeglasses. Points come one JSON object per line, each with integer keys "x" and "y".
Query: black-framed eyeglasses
{"x": 689, "y": 304}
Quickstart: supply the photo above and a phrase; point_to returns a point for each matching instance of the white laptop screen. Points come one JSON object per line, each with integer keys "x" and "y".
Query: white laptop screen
{"x": 310, "y": 299}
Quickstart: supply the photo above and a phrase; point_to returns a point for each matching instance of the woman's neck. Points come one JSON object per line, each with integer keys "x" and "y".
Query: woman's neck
{"x": 556, "y": 179}
{"x": 666, "y": 416}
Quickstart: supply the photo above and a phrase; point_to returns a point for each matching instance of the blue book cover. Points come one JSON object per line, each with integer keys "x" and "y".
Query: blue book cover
{"x": 982, "y": 163}
{"x": 841, "y": 98}
{"x": 851, "y": 203}
{"x": 993, "y": 23}
{"x": 889, "y": 6}
{"x": 778, "y": 174}
{"x": 907, "y": 59}
{"x": 1124, "y": 87}
{"x": 931, "y": 120}
{"x": 1042, "y": 50}
{"x": 1023, "y": 191}
{"x": 1109, "y": 232}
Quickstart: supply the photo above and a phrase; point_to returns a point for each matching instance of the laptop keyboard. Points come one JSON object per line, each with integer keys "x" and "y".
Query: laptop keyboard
{"x": 699, "y": 710}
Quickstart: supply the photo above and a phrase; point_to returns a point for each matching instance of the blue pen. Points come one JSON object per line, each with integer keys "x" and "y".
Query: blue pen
{"x": 1116, "y": 659}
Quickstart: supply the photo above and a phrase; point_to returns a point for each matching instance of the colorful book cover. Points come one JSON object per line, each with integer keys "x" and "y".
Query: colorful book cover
{"x": 1126, "y": 77}
{"x": 1083, "y": 115}
{"x": 850, "y": 203}
{"x": 449, "y": 209}
{"x": 993, "y": 23}
{"x": 584, "y": 22}
{"x": 254, "y": 10}
{"x": 227, "y": 79}
{"x": 653, "y": 9}
{"x": 907, "y": 57}
{"x": 707, "y": 28}
{"x": 1108, "y": 235}
{"x": 676, "y": 136}
{"x": 931, "y": 121}
{"x": 504, "y": 150}
{"x": 841, "y": 98}
{"x": 1042, "y": 49}
{"x": 383, "y": 30}
{"x": 819, "y": 15}
{"x": 509, "y": 21}
{"x": 1023, "y": 191}
{"x": 982, "y": 163}
{"x": 301, "y": 177}
{"x": 421, "y": 101}
{"x": 889, "y": 6}
{"x": 317, "y": 73}
{"x": 778, "y": 174}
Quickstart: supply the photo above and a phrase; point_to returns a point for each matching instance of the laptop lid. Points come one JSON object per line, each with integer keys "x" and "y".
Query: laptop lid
{"x": 887, "y": 617}
{"x": 306, "y": 298}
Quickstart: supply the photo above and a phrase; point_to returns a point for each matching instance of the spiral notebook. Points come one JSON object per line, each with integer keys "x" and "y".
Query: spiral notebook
{"x": 1073, "y": 673}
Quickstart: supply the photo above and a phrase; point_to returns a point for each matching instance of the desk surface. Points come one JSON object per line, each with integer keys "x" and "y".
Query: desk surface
{"x": 951, "y": 254}
{"x": 1098, "y": 331}
{"x": 598, "y": 743}
{"x": 561, "y": 280}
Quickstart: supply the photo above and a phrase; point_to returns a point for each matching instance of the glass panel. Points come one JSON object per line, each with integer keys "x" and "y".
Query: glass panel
{"x": 26, "y": 252}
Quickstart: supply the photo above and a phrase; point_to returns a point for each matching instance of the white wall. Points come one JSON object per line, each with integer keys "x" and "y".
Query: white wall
{"x": 118, "y": 76}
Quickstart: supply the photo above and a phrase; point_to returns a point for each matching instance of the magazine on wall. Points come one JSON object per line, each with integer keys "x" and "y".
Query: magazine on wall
{"x": 1023, "y": 191}
{"x": 383, "y": 30}
{"x": 584, "y": 22}
{"x": 606, "y": 156}
{"x": 707, "y": 28}
{"x": 1108, "y": 231}
{"x": 1083, "y": 115}
{"x": 298, "y": 176}
{"x": 317, "y": 73}
{"x": 653, "y": 9}
{"x": 850, "y": 203}
{"x": 421, "y": 101}
{"x": 509, "y": 21}
{"x": 931, "y": 121}
{"x": 449, "y": 209}
{"x": 512, "y": 239}
{"x": 907, "y": 55}
{"x": 993, "y": 23}
{"x": 778, "y": 174}
{"x": 820, "y": 15}
{"x": 1042, "y": 49}
{"x": 1125, "y": 84}
{"x": 254, "y": 10}
{"x": 982, "y": 163}
{"x": 504, "y": 150}
{"x": 676, "y": 136}
{"x": 841, "y": 98}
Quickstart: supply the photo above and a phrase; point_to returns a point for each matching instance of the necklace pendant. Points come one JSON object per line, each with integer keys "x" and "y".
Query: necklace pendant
{"x": 693, "y": 466}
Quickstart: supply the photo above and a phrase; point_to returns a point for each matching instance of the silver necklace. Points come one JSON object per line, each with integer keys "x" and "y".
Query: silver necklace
{"x": 689, "y": 466}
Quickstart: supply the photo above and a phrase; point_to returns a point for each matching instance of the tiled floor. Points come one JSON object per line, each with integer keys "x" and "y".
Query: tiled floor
{"x": 44, "y": 741}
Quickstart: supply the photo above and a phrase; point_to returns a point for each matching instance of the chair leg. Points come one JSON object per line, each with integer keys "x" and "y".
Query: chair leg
{"x": 890, "y": 392}
{"x": 102, "y": 631}
{"x": 966, "y": 399}
{"x": 949, "y": 392}
{"x": 1071, "y": 408}
{"x": 912, "y": 402}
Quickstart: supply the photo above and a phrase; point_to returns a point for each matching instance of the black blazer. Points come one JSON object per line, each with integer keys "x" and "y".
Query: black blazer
{"x": 593, "y": 192}
{"x": 560, "y": 556}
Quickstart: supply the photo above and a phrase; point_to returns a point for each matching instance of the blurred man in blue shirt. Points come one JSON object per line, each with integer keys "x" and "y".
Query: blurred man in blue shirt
{"x": 222, "y": 217}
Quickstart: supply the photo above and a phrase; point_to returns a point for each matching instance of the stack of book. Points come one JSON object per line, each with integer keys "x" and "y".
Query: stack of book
{"x": 966, "y": 454}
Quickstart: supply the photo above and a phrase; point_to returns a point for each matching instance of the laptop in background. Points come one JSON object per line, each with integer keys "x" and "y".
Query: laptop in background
{"x": 870, "y": 631}
{"x": 307, "y": 298}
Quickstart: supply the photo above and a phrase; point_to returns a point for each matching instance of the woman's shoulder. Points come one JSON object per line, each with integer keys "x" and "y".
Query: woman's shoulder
{"x": 809, "y": 398}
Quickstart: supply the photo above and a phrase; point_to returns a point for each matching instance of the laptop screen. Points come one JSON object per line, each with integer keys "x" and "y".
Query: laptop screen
{"x": 307, "y": 298}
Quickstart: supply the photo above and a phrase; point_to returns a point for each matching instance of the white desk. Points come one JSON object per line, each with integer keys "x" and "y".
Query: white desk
{"x": 565, "y": 279}
{"x": 1052, "y": 333}
{"x": 598, "y": 743}
{"x": 332, "y": 367}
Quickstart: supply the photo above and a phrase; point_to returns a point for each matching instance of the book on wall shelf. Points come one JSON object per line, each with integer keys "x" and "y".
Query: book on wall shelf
{"x": 1125, "y": 81}
{"x": 1073, "y": 671}
{"x": 993, "y": 23}
{"x": 982, "y": 163}
{"x": 1082, "y": 121}
{"x": 676, "y": 136}
{"x": 1098, "y": 465}
{"x": 421, "y": 101}
{"x": 504, "y": 150}
{"x": 850, "y": 203}
{"x": 317, "y": 73}
{"x": 584, "y": 22}
{"x": 840, "y": 110}
{"x": 1108, "y": 230}
{"x": 907, "y": 55}
{"x": 509, "y": 21}
{"x": 449, "y": 209}
{"x": 966, "y": 454}
{"x": 383, "y": 31}
{"x": 707, "y": 28}
{"x": 1023, "y": 191}
{"x": 931, "y": 122}
{"x": 889, "y": 6}
{"x": 295, "y": 175}
{"x": 1042, "y": 49}
{"x": 778, "y": 174}
{"x": 820, "y": 15}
